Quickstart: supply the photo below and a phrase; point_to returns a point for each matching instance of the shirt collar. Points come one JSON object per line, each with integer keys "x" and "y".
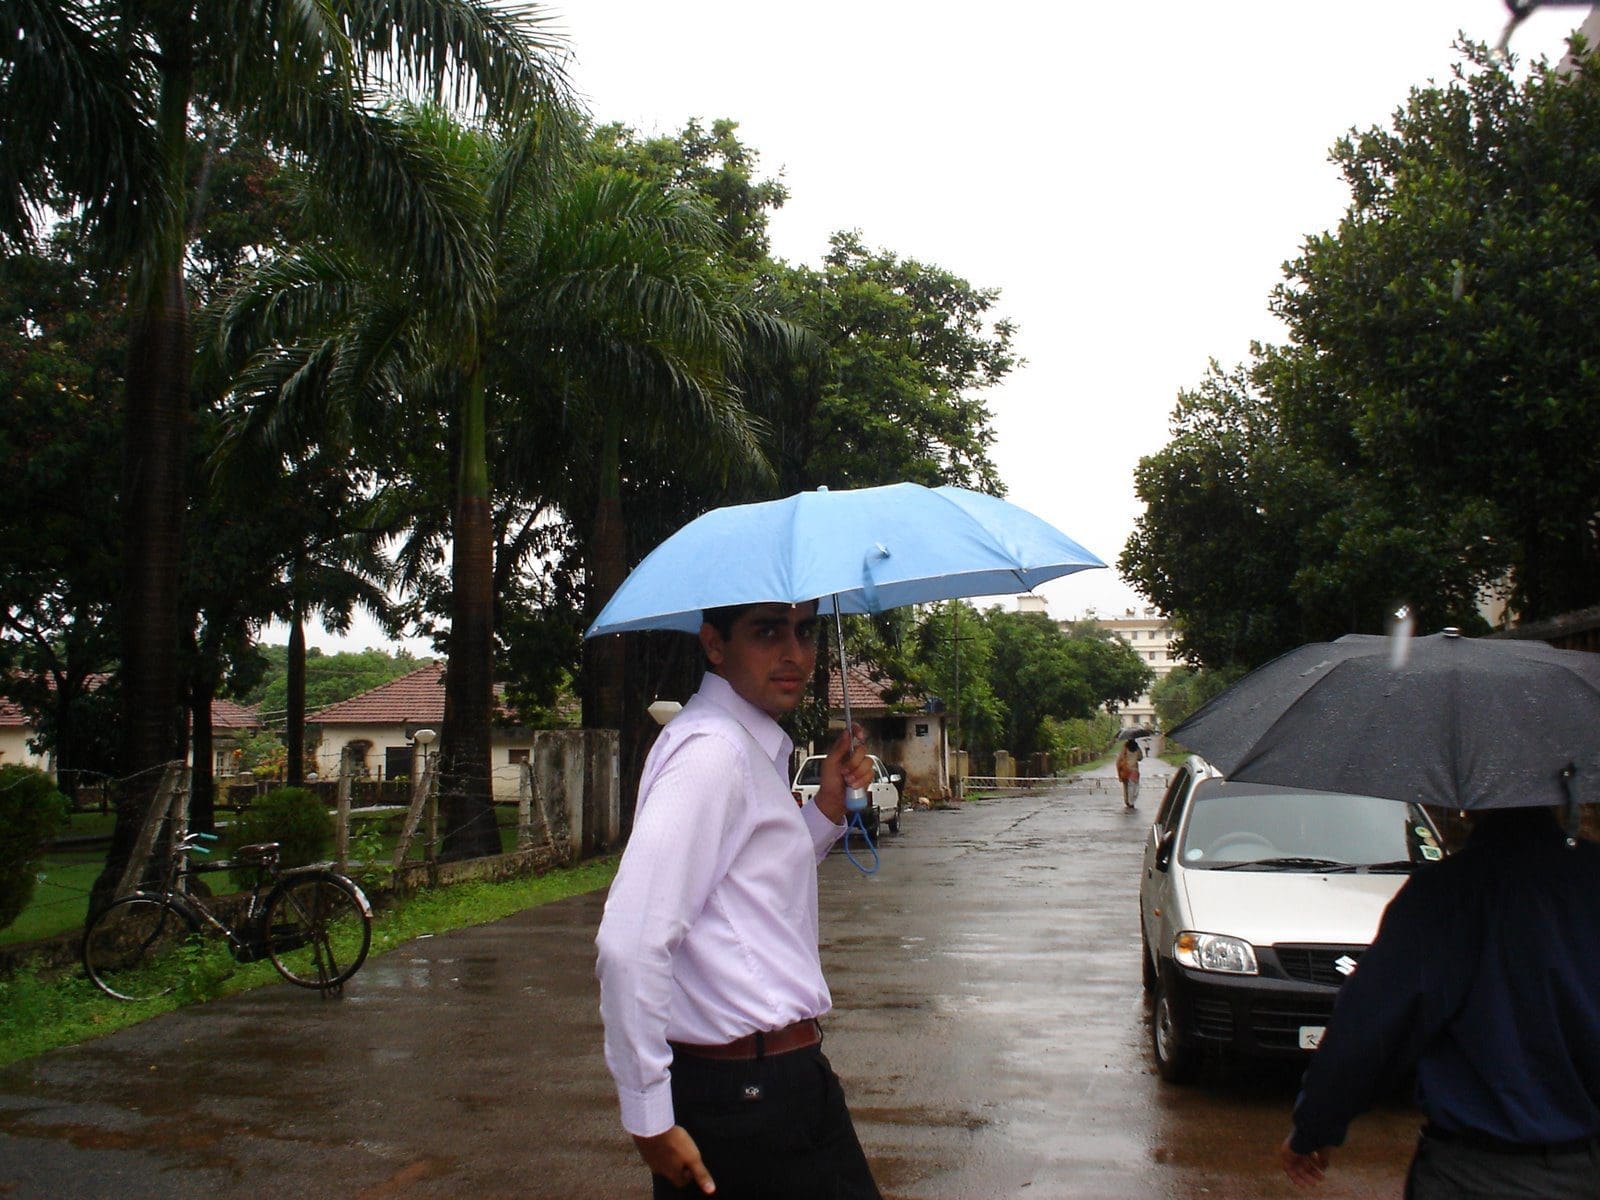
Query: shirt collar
{"x": 769, "y": 735}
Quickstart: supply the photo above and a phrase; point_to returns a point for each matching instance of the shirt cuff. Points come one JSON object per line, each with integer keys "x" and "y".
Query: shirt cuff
{"x": 647, "y": 1113}
{"x": 824, "y": 832}
{"x": 1301, "y": 1143}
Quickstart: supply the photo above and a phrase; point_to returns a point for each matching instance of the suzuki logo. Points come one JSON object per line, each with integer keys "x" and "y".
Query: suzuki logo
{"x": 1345, "y": 965}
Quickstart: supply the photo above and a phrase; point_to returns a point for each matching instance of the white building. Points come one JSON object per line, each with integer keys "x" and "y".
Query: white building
{"x": 379, "y": 728}
{"x": 1148, "y": 632}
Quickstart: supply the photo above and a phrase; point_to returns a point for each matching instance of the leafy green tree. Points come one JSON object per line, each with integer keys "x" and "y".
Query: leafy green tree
{"x": 344, "y": 344}
{"x": 1040, "y": 671}
{"x": 1423, "y": 434}
{"x": 1021, "y": 674}
{"x": 60, "y": 428}
{"x": 1071, "y": 738}
{"x": 713, "y": 164}
{"x": 910, "y": 350}
{"x": 1183, "y": 690}
{"x": 627, "y": 285}
{"x": 954, "y": 649}
{"x": 329, "y": 677}
{"x": 32, "y": 812}
{"x": 605, "y": 335}
{"x": 1438, "y": 336}
{"x": 100, "y": 97}
{"x": 1418, "y": 438}
{"x": 1227, "y": 506}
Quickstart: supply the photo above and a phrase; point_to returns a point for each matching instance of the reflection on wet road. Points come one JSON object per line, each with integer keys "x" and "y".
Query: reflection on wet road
{"x": 989, "y": 1027}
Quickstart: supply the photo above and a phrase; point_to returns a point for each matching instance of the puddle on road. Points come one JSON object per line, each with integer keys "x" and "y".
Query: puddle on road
{"x": 921, "y": 1118}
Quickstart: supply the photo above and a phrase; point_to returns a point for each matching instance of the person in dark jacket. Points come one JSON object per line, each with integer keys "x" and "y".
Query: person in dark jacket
{"x": 1484, "y": 979}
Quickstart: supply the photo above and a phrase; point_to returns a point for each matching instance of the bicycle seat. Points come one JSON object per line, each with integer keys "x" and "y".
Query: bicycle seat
{"x": 260, "y": 854}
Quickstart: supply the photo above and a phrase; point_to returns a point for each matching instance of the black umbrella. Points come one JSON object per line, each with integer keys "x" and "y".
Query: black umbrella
{"x": 1124, "y": 735}
{"x": 1466, "y": 723}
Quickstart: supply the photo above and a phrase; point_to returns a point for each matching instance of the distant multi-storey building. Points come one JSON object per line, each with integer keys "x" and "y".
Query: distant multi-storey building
{"x": 1149, "y": 633}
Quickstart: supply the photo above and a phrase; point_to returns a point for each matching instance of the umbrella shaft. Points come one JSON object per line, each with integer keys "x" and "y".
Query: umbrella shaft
{"x": 855, "y": 799}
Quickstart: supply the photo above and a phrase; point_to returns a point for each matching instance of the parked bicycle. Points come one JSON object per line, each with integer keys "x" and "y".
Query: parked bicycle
{"x": 314, "y": 924}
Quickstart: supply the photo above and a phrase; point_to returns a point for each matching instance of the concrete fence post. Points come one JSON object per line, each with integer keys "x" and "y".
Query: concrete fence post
{"x": 341, "y": 813}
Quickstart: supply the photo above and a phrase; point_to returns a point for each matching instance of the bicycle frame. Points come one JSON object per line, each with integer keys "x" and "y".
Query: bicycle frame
{"x": 246, "y": 940}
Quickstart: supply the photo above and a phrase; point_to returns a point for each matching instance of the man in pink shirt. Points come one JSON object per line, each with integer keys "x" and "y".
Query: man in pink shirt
{"x": 710, "y": 978}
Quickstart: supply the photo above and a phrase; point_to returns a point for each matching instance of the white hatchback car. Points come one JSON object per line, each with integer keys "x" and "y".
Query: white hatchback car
{"x": 883, "y": 791}
{"x": 1256, "y": 902}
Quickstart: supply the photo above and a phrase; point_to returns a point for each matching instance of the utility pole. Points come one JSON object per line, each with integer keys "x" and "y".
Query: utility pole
{"x": 955, "y": 643}
{"x": 955, "y": 646}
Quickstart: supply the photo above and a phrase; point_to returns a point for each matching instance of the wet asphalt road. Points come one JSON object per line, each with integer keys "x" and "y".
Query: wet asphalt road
{"x": 989, "y": 1027}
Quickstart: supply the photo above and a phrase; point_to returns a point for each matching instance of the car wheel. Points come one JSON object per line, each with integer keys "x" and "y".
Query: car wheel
{"x": 1149, "y": 972}
{"x": 894, "y": 822}
{"x": 1176, "y": 1062}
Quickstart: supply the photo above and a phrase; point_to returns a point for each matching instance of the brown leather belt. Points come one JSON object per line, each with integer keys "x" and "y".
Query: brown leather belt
{"x": 759, "y": 1045}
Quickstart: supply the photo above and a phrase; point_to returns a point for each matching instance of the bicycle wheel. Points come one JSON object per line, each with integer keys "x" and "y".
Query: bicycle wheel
{"x": 131, "y": 950}
{"x": 317, "y": 926}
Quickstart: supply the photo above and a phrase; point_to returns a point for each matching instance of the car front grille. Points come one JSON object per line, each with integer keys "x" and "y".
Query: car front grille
{"x": 1316, "y": 964}
{"x": 1276, "y": 1024}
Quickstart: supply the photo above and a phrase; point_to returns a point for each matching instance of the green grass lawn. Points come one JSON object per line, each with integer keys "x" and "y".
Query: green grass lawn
{"x": 41, "y": 1011}
{"x": 61, "y": 896}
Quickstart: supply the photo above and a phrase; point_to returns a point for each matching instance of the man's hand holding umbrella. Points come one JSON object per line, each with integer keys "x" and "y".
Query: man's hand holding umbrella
{"x": 845, "y": 766}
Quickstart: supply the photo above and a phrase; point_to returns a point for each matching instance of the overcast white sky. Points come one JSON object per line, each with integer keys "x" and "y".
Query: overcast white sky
{"x": 1131, "y": 176}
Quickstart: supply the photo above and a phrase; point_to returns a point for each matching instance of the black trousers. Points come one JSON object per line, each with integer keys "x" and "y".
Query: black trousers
{"x": 1449, "y": 1171}
{"x": 773, "y": 1128}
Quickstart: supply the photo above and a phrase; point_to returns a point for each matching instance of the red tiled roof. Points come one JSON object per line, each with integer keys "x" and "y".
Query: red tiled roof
{"x": 414, "y": 699}
{"x": 225, "y": 714}
{"x": 12, "y": 717}
{"x": 866, "y": 694}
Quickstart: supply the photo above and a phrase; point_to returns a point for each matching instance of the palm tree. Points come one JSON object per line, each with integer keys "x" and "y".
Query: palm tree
{"x": 347, "y": 350}
{"x": 98, "y": 96}
{"x": 642, "y": 336}
{"x": 603, "y": 315}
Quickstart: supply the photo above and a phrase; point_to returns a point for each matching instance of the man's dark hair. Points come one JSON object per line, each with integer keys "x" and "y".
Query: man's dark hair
{"x": 722, "y": 619}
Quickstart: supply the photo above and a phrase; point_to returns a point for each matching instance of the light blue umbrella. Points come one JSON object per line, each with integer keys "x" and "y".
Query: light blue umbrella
{"x": 864, "y": 550}
{"x": 859, "y": 551}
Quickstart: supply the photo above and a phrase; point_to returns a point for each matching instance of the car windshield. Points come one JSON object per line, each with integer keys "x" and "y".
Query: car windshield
{"x": 810, "y": 773}
{"x": 1231, "y": 828}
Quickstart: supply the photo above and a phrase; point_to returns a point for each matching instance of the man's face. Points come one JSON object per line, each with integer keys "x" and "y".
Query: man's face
{"x": 768, "y": 655}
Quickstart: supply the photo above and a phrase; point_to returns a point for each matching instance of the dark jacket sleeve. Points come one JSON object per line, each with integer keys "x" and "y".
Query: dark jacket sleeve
{"x": 1410, "y": 981}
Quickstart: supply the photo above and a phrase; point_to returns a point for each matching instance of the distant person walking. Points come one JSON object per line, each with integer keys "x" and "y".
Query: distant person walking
{"x": 1128, "y": 771}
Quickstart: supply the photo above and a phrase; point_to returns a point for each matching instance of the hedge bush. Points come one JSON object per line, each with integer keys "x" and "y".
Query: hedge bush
{"x": 32, "y": 813}
{"x": 296, "y": 818}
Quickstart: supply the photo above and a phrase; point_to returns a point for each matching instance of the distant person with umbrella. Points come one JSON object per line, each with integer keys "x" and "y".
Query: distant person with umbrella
{"x": 710, "y": 977}
{"x": 1484, "y": 977}
{"x": 1128, "y": 771}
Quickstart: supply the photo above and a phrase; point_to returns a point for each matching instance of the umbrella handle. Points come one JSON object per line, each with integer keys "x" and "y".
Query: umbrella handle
{"x": 854, "y": 822}
{"x": 1574, "y": 819}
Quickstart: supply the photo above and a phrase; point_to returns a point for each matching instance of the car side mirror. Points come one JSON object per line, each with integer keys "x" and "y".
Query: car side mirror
{"x": 1164, "y": 848}
{"x": 895, "y": 777}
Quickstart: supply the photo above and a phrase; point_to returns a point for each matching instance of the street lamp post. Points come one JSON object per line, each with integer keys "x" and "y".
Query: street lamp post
{"x": 423, "y": 739}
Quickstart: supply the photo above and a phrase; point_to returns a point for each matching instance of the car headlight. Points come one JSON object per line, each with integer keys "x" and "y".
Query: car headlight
{"x": 1215, "y": 952}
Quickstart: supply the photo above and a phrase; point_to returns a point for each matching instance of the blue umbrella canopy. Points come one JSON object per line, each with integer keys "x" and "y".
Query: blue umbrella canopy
{"x": 865, "y": 549}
